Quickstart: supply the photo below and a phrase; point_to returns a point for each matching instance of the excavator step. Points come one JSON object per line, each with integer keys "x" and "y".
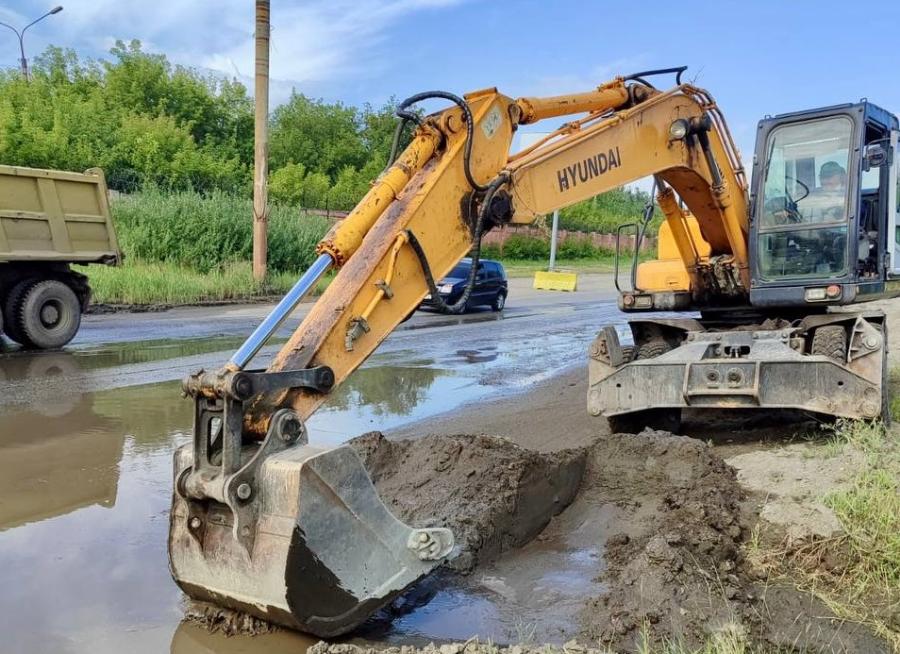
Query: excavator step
{"x": 323, "y": 554}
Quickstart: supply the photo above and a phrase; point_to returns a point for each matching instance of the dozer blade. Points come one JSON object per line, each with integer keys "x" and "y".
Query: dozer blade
{"x": 321, "y": 555}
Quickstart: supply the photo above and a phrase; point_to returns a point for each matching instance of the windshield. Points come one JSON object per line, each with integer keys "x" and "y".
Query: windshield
{"x": 803, "y": 226}
{"x": 460, "y": 271}
{"x": 803, "y": 253}
{"x": 806, "y": 173}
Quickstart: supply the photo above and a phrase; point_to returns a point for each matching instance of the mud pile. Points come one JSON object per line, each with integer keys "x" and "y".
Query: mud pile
{"x": 470, "y": 647}
{"x": 493, "y": 494}
{"x": 665, "y": 509}
{"x": 674, "y": 566}
{"x": 218, "y": 619}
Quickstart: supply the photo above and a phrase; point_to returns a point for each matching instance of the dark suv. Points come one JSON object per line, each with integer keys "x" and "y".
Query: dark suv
{"x": 490, "y": 285}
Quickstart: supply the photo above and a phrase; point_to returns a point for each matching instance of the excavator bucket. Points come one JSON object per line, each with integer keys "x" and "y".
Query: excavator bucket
{"x": 309, "y": 545}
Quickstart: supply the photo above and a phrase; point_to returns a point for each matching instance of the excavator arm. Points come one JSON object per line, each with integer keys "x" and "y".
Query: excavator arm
{"x": 264, "y": 522}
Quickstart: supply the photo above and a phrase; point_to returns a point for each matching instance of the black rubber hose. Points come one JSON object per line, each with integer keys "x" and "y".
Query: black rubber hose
{"x": 395, "y": 144}
{"x": 410, "y": 116}
{"x": 460, "y": 305}
{"x": 637, "y": 77}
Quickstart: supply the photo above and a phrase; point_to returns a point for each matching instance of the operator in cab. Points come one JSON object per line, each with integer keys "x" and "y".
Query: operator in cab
{"x": 828, "y": 201}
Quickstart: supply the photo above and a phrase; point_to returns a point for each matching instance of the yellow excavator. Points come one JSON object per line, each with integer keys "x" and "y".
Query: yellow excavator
{"x": 265, "y": 523}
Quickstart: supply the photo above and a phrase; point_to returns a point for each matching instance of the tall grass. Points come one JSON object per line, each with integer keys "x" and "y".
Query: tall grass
{"x": 167, "y": 283}
{"x": 185, "y": 248}
{"x": 869, "y": 509}
{"x": 206, "y": 232}
{"x": 861, "y": 582}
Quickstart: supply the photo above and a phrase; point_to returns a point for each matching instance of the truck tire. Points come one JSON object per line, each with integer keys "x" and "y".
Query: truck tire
{"x": 49, "y": 314}
{"x": 12, "y": 305}
{"x": 830, "y": 341}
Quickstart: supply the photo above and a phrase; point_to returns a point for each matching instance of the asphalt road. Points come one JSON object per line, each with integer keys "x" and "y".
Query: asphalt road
{"x": 240, "y": 319}
{"x": 129, "y": 349}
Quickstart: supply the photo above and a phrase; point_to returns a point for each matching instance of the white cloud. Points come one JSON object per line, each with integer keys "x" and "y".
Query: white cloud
{"x": 590, "y": 79}
{"x": 313, "y": 41}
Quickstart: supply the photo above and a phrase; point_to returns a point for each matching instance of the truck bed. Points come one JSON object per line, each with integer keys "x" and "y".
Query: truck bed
{"x": 55, "y": 216}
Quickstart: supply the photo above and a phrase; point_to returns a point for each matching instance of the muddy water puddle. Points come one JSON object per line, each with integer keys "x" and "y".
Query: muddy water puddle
{"x": 16, "y": 364}
{"x": 531, "y": 595}
{"x": 85, "y": 482}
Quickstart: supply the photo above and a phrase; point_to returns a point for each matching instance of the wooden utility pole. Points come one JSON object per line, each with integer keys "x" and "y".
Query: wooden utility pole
{"x": 261, "y": 143}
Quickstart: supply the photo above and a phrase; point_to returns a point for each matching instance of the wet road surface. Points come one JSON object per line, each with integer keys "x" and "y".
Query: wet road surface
{"x": 86, "y": 442}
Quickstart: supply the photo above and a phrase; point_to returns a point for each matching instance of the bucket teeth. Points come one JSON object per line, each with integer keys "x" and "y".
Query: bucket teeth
{"x": 325, "y": 553}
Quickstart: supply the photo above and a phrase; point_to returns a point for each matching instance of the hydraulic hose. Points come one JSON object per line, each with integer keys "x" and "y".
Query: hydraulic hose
{"x": 411, "y": 116}
{"x": 639, "y": 77}
{"x": 460, "y": 305}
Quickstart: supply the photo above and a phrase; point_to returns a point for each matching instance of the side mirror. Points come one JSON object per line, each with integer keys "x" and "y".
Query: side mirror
{"x": 876, "y": 156}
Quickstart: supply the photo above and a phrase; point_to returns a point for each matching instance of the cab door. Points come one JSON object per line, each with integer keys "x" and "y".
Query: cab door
{"x": 893, "y": 230}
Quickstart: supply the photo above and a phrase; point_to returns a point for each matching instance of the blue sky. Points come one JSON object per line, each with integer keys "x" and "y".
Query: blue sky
{"x": 756, "y": 58}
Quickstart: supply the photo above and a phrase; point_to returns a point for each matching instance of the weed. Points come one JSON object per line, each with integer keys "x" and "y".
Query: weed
{"x": 861, "y": 583}
{"x": 166, "y": 283}
{"x": 207, "y": 232}
{"x": 730, "y": 639}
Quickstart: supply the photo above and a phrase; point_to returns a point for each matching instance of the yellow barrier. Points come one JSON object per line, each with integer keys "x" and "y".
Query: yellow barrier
{"x": 555, "y": 281}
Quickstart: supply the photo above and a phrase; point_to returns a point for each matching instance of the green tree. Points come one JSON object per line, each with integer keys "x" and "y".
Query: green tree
{"x": 323, "y": 137}
{"x": 286, "y": 184}
{"x": 135, "y": 115}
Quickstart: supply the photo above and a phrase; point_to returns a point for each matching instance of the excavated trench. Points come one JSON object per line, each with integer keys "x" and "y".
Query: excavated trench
{"x": 650, "y": 522}
{"x": 633, "y": 536}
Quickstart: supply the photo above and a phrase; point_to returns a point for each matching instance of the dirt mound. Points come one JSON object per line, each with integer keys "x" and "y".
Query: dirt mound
{"x": 666, "y": 508}
{"x": 493, "y": 494}
{"x": 218, "y": 619}
{"x": 675, "y": 567}
{"x": 469, "y": 647}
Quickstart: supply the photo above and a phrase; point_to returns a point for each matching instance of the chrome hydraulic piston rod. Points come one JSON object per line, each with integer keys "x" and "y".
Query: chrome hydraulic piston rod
{"x": 279, "y": 314}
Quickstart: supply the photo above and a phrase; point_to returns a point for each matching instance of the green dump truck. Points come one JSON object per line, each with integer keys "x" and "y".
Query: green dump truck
{"x": 49, "y": 220}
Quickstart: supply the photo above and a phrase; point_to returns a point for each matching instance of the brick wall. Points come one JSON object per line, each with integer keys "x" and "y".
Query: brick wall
{"x": 499, "y": 236}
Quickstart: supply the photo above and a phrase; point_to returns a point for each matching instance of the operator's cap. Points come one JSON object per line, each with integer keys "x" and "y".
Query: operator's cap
{"x": 830, "y": 169}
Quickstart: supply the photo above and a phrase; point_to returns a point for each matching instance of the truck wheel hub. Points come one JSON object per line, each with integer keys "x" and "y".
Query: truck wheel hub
{"x": 49, "y": 314}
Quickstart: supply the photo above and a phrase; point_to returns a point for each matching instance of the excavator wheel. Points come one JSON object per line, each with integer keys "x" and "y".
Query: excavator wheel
{"x": 634, "y": 423}
{"x": 652, "y": 348}
{"x": 830, "y": 341}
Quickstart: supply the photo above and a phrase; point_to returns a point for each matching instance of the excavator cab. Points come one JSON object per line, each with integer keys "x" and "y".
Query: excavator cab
{"x": 824, "y": 207}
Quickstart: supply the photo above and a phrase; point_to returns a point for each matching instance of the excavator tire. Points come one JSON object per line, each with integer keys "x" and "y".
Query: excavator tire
{"x": 665, "y": 419}
{"x": 652, "y": 349}
{"x": 830, "y": 341}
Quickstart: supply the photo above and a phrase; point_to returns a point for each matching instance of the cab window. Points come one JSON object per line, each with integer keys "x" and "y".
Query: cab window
{"x": 806, "y": 173}
{"x": 803, "y": 225}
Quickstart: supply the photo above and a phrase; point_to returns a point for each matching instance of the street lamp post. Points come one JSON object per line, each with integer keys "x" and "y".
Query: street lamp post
{"x": 23, "y": 62}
